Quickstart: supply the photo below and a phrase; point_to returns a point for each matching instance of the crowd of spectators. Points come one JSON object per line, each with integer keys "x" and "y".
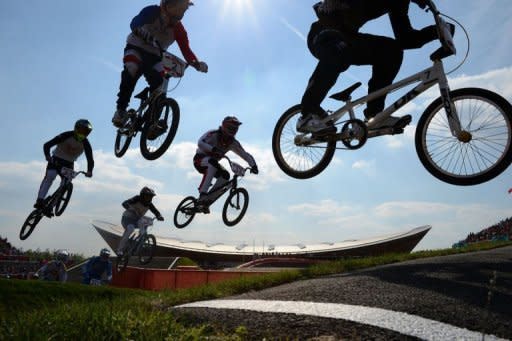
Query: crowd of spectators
{"x": 501, "y": 231}
{"x": 16, "y": 263}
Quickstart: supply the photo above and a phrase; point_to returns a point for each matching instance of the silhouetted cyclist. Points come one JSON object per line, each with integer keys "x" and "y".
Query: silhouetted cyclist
{"x": 334, "y": 39}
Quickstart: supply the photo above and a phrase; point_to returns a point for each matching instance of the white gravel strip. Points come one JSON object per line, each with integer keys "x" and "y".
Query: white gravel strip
{"x": 388, "y": 319}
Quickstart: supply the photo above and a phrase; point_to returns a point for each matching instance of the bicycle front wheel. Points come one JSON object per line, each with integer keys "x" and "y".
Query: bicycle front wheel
{"x": 30, "y": 224}
{"x": 185, "y": 212}
{"x": 235, "y": 206}
{"x": 298, "y": 161}
{"x": 480, "y": 152}
{"x": 123, "y": 140}
{"x": 147, "y": 249}
{"x": 157, "y": 134}
{"x": 63, "y": 200}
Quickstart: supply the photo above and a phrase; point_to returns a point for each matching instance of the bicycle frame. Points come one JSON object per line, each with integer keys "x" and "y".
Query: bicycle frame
{"x": 231, "y": 184}
{"x": 134, "y": 249}
{"x": 427, "y": 78}
{"x": 172, "y": 67}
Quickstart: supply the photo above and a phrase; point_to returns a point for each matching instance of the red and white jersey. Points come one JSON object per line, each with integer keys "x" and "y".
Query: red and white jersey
{"x": 215, "y": 139}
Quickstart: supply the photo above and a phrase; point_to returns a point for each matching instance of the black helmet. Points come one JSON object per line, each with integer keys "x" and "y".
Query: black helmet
{"x": 147, "y": 191}
{"x": 230, "y": 125}
{"x": 82, "y": 128}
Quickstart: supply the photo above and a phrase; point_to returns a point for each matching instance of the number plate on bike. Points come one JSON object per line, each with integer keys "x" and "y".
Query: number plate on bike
{"x": 237, "y": 169}
{"x": 67, "y": 173}
{"x": 173, "y": 65}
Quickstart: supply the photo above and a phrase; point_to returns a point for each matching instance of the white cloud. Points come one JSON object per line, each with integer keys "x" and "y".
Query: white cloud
{"x": 367, "y": 167}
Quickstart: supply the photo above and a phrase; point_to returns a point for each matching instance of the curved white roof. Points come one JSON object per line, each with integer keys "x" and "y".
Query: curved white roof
{"x": 299, "y": 248}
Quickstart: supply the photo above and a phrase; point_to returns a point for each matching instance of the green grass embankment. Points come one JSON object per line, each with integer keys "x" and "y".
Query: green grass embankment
{"x": 36, "y": 310}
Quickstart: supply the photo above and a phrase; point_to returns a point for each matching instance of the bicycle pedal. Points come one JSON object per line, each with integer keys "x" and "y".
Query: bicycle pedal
{"x": 403, "y": 122}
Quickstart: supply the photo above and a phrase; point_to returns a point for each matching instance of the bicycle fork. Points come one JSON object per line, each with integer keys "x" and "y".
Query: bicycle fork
{"x": 449, "y": 106}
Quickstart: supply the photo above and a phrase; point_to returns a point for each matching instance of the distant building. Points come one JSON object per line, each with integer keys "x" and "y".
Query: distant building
{"x": 220, "y": 255}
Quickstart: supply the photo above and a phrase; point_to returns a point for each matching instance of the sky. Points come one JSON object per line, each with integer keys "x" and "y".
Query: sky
{"x": 61, "y": 61}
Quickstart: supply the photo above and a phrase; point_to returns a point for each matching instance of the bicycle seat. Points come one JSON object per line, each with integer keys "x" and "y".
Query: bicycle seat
{"x": 143, "y": 94}
{"x": 345, "y": 94}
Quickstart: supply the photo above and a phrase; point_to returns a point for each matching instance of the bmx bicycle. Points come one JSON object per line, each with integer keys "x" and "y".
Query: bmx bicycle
{"x": 157, "y": 117}
{"x": 54, "y": 204}
{"x": 462, "y": 138}
{"x": 234, "y": 207}
{"x": 140, "y": 244}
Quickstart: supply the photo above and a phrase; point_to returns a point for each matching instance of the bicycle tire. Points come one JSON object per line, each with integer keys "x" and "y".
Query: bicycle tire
{"x": 30, "y": 223}
{"x": 122, "y": 144}
{"x": 163, "y": 104}
{"x": 63, "y": 200}
{"x": 236, "y": 195}
{"x": 187, "y": 208}
{"x": 147, "y": 249}
{"x": 289, "y": 161}
{"x": 494, "y": 111}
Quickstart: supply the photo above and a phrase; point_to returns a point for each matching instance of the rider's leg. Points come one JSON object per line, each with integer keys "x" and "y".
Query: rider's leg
{"x": 153, "y": 71}
{"x": 222, "y": 176}
{"x": 129, "y": 225}
{"x": 131, "y": 73}
{"x": 330, "y": 49}
{"x": 208, "y": 164}
{"x": 49, "y": 177}
{"x": 385, "y": 55}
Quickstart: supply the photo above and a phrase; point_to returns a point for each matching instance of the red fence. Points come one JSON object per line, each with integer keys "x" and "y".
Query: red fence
{"x": 158, "y": 279}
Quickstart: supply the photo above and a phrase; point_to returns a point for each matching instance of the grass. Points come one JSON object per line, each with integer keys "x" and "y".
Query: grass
{"x": 36, "y": 310}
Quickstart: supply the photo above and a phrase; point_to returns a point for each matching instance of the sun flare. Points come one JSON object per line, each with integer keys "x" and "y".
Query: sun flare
{"x": 237, "y": 7}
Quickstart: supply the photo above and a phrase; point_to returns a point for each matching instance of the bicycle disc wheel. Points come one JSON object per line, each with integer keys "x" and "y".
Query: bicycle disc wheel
{"x": 122, "y": 143}
{"x": 185, "y": 212}
{"x": 63, "y": 200}
{"x": 30, "y": 224}
{"x": 235, "y": 206}
{"x": 158, "y": 134}
{"x": 298, "y": 161}
{"x": 480, "y": 152}
{"x": 147, "y": 249}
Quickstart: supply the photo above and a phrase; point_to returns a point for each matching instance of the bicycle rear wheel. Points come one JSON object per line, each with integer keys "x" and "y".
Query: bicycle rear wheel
{"x": 185, "y": 212}
{"x": 147, "y": 249}
{"x": 480, "y": 152}
{"x": 30, "y": 224}
{"x": 235, "y": 206}
{"x": 63, "y": 200}
{"x": 298, "y": 161}
{"x": 158, "y": 133}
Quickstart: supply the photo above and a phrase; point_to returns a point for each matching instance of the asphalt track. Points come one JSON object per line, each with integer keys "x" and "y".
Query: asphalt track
{"x": 458, "y": 297}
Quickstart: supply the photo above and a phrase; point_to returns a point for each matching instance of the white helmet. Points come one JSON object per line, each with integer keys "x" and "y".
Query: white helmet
{"x": 63, "y": 255}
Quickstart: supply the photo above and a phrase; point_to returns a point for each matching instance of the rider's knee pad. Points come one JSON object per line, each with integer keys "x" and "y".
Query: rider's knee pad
{"x": 132, "y": 69}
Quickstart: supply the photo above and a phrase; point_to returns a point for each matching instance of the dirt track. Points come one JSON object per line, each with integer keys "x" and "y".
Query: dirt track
{"x": 451, "y": 289}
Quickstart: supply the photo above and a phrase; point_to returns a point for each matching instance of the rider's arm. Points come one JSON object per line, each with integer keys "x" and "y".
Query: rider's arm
{"x": 63, "y": 274}
{"x": 237, "y": 148}
{"x": 204, "y": 142}
{"x": 109, "y": 271}
{"x": 405, "y": 34}
{"x": 182, "y": 39}
{"x": 153, "y": 209}
{"x": 55, "y": 141}
{"x": 88, "y": 155}
{"x": 126, "y": 204}
{"x": 148, "y": 15}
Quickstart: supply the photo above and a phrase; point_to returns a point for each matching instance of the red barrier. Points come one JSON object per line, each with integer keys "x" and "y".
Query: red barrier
{"x": 158, "y": 279}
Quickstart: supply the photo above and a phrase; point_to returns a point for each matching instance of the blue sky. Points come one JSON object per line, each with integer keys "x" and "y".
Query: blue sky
{"x": 61, "y": 60}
